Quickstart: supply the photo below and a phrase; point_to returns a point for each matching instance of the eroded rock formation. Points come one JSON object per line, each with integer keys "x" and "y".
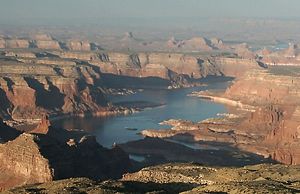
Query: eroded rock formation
{"x": 56, "y": 154}
{"x": 48, "y": 89}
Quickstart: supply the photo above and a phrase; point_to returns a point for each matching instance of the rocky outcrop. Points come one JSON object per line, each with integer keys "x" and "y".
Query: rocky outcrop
{"x": 184, "y": 178}
{"x": 58, "y": 154}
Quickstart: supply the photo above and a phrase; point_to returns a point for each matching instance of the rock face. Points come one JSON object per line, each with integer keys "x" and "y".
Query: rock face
{"x": 278, "y": 88}
{"x": 51, "y": 89}
{"x": 22, "y": 157}
{"x": 158, "y": 64}
{"x": 236, "y": 67}
{"x": 57, "y": 154}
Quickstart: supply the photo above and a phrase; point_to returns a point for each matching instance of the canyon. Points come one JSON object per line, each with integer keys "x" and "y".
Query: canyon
{"x": 74, "y": 79}
{"x": 43, "y": 78}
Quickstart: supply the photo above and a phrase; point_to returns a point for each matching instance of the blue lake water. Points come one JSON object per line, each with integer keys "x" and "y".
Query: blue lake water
{"x": 177, "y": 106}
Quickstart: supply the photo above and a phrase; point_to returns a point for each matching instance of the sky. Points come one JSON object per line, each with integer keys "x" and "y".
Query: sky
{"x": 55, "y": 11}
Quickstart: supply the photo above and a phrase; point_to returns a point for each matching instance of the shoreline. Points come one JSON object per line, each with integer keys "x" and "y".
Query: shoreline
{"x": 223, "y": 100}
{"x": 101, "y": 114}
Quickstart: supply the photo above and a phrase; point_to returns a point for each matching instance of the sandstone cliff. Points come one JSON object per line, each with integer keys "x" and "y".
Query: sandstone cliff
{"x": 57, "y": 154}
{"x": 52, "y": 89}
{"x": 278, "y": 122}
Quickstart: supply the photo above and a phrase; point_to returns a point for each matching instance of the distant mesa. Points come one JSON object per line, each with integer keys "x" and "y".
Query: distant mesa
{"x": 77, "y": 45}
{"x": 291, "y": 52}
{"x": 243, "y": 51}
{"x": 41, "y": 36}
{"x": 196, "y": 44}
{"x": 128, "y": 37}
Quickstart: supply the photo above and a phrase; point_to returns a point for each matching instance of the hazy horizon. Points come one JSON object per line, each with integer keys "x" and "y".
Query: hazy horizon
{"x": 94, "y": 11}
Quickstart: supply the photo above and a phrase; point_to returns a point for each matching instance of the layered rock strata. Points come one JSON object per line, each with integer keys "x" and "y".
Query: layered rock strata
{"x": 74, "y": 77}
{"x": 29, "y": 90}
{"x": 49, "y": 154}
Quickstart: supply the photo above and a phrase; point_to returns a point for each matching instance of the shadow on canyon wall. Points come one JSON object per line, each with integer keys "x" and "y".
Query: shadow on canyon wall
{"x": 120, "y": 81}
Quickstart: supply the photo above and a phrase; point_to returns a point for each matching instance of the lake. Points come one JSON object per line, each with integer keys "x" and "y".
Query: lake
{"x": 178, "y": 105}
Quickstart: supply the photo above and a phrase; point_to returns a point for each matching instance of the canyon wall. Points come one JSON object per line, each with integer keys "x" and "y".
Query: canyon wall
{"x": 29, "y": 90}
{"x": 259, "y": 87}
{"x": 58, "y": 82}
{"x": 53, "y": 154}
{"x": 146, "y": 64}
{"x": 275, "y": 92}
